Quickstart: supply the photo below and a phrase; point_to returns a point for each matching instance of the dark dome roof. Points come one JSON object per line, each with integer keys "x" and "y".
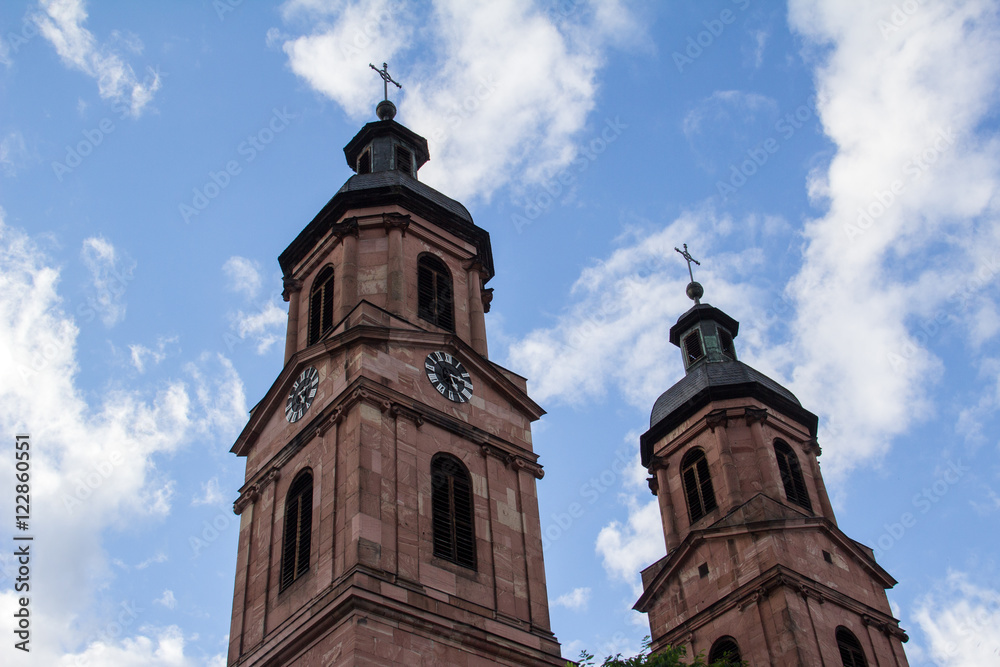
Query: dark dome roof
{"x": 393, "y": 178}
{"x": 725, "y": 379}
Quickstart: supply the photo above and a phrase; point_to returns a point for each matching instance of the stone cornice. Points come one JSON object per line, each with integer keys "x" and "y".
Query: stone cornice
{"x": 765, "y": 585}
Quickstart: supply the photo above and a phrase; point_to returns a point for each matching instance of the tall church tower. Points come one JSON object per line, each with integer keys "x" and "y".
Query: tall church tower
{"x": 389, "y": 514}
{"x": 756, "y": 567}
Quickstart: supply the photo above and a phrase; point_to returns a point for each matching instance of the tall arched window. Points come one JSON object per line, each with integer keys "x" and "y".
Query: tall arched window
{"x": 298, "y": 530}
{"x": 726, "y": 651}
{"x": 452, "y": 511}
{"x": 321, "y": 305}
{"x": 791, "y": 475}
{"x": 697, "y": 484}
{"x": 434, "y": 295}
{"x": 851, "y": 653}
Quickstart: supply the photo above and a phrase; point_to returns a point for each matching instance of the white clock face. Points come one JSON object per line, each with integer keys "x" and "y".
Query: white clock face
{"x": 302, "y": 394}
{"x": 448, "y": 376}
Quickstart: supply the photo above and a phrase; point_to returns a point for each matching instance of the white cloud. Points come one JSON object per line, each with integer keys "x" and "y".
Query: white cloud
{"x": 111, "y": 275}
{"x": 481, "y": 65}
{"x": 614, "y": 331}
{"x": 627, "y": 549}
{"x": 211, "y": 494}
{"x": 96, "y": 471}
{"x": 167, "y": 599}
{"x": 14, "y": 153}
{"x": 243, "y": 275}
{"x": 264, "y": 328}
{"x": 62, "y": 24}
{"x": 575, "y": 600}
{"x": 141, "y": 355}
{"x": 961, "y": 620}
{"x": 874, "y": 292}
{"x": 158, "y": 557}
{"x": 162, "y": 647}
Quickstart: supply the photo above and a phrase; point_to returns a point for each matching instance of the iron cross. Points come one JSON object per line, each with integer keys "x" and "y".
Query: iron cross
{"x": 386, "y": 79}
{"x": 686, "y": 255}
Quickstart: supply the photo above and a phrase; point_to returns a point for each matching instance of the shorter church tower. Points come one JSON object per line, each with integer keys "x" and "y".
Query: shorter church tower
{"x": 756, "y": 567}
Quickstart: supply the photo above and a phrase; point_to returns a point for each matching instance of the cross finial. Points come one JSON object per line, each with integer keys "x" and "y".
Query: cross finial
{"x": 694, "y": 290}
{"x": 686, "y": 255}
{"x": 386, "y": 79}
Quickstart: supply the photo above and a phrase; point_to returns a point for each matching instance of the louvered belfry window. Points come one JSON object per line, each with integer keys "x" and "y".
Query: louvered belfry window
{"x": 851, "y": 653}
{"x": 298, "y": 530}
{"x": 452, "y": 511}
{"x": 365, "y": 162}
{"x": 404, "y": 160}
{"x": 697, "y": 484}
{"x": 321, "y": 305}
{"x": 791, "y": 475}
{"x": 726, "y": 342}
{"x": 726, "y": 651}
{"x": 434, "y": 295}
{"x": 693, "y": 348}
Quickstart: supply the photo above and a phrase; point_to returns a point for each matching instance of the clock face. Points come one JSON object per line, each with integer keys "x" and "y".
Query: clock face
{"x": 448, "y": 376}
{"x": 302, "y": 394}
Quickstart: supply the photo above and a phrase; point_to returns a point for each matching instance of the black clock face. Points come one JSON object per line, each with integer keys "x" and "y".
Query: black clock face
{"x": 448, "y": 376}
{"x": 302, "y": 394}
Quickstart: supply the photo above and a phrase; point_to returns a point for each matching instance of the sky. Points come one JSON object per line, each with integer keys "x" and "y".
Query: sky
{"x": 833, "y": 165}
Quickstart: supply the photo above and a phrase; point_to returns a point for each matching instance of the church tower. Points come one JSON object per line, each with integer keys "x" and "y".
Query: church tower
{"x": 756, "y": 567}
{"x": 389, "y": 514}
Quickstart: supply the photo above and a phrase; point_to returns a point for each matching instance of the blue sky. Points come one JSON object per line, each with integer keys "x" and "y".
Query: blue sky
{"x": 833, "y": 164}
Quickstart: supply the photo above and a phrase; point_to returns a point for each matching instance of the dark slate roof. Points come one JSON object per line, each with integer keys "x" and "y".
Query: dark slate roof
{"x": 717, "y": 374}
{"x": 718, "y": 381}
{"x": 393, "y": 178}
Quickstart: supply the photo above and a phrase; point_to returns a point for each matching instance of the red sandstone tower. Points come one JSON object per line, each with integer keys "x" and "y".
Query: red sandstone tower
{"x": 756, "y": 567}
{"x": 389, "y": 514}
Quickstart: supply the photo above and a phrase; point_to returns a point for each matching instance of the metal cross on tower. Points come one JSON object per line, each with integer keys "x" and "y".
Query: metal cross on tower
{"x": 694, "y": 290}
{"x": 686, "y": 255}
{"x": 386, "y": 79}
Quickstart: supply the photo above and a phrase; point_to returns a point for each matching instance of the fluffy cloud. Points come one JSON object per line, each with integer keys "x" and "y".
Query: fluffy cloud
{"x": 481, "y": 65}
{"x": 575, "y": 600}
{"x": 263, "y": 328}
{"x": 243, "y": 276}
{"x": 111, "y": 275}
{"x": 94, "y": 465}
{"x": 62, "y": 24}
{"x": 628, "y": 548}
{"x": 962, "y": 622}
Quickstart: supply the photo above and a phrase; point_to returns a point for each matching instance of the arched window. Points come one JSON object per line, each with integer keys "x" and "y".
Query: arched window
{"x": 434, "y": 298}
{"x": 452, "y": 511}
{"x": 321, "y": 305}
{"x": 298, "y": 530}
{"x": 697, "y": 484}
{"x": 726, "y": 651}
{"x": 851, "y": 654}
{"x": 791, "y": 475}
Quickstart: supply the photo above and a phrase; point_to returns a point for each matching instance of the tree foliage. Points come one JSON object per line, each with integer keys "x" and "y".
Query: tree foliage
{"x": 671, "y": 656}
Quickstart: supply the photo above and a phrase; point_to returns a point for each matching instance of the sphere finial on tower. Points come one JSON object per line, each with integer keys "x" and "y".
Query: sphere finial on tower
{"x": 385, "y": 110}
